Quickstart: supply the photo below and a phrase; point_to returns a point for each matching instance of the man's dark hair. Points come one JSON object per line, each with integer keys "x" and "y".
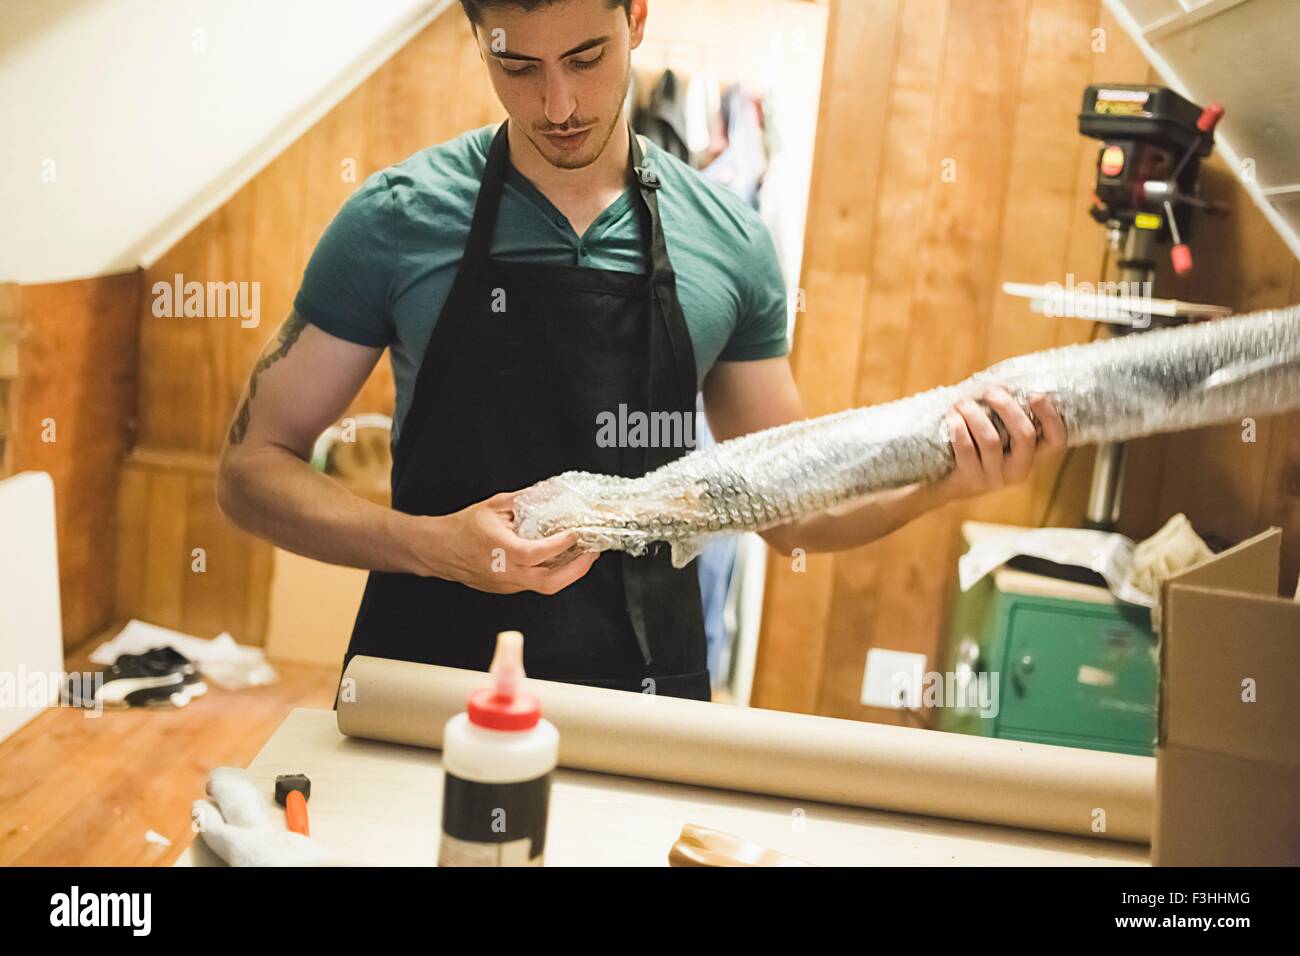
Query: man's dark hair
{"x": 474, "y": 8}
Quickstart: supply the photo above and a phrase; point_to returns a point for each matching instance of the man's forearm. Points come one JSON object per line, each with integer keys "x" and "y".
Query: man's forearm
{"x": 857, "y": 523}
{"x": 271, "y": 492}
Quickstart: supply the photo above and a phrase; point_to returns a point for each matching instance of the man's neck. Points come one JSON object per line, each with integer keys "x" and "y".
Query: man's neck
{"x": 580, "y": 194}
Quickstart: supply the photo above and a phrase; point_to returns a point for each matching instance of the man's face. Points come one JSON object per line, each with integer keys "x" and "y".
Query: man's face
{"x": 561, "y": 71}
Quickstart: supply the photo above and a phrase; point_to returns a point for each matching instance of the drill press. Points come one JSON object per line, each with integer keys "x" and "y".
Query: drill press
{"x": 1148, "y": 167}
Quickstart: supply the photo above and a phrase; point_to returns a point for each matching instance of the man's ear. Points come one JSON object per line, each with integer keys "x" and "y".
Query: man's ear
{"x": 636, "y": 17}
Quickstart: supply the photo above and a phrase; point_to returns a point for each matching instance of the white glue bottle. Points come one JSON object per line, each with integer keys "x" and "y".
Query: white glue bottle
{"x": 497, "y": 761}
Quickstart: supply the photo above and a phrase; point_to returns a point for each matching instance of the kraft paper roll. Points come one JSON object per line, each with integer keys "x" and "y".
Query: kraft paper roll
{"x": 909, "y": 770}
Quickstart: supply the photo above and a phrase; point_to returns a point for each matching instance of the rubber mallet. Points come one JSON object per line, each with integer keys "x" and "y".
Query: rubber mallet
{"x": 292, "y": 791}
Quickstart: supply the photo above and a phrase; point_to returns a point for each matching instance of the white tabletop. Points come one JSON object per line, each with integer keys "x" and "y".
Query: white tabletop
{"x": 380, "y": 803}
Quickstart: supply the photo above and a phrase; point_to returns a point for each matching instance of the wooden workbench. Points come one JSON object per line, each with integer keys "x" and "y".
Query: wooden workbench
{"x": 380, "y": 803}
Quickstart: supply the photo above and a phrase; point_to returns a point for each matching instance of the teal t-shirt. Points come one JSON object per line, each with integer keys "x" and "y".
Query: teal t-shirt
{"x": 383, "y": 269}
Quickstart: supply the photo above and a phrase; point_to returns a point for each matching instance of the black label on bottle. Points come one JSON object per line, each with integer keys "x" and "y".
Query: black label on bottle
{"x": 496, "y": 813}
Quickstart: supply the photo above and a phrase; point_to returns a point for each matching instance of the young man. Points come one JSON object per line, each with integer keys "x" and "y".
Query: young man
{"x": 527, "y": 280}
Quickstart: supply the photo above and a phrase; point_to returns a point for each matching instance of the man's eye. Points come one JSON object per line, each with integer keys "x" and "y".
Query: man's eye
{"x": 588, "y": 64}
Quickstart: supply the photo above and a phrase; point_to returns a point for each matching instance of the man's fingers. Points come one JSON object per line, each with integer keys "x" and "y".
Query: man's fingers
{"x": 553, "y": 581}
{"x": 963, "y": 446}
{"x": 1049, "y": 420}
{"x": 1019, "y": 426}
{"x": 530, "y": 554}
{"x": 987, "y": 440}
{"x": 503, "y": 500}
{"x": 575, "y": 569}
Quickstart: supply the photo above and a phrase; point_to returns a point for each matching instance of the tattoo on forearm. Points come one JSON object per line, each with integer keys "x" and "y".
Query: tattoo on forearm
{"x": 275, "y": 351}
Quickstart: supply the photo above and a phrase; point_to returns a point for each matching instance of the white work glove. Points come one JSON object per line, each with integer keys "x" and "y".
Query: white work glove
{"x": 235, "y": 825}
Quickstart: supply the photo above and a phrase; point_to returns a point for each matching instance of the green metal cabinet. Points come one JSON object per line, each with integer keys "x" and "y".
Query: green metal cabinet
{"x": 1079, "y": 673}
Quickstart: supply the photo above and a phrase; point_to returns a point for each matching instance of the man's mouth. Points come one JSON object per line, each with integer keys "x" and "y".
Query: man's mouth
{"x": 569, "y": 139}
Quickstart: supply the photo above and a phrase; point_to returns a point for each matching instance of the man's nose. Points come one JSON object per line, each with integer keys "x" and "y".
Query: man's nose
{"x": 560, "y": 101}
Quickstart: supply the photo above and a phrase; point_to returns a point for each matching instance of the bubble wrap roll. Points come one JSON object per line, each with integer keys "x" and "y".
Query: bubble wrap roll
{"x": 1113, "y": 390}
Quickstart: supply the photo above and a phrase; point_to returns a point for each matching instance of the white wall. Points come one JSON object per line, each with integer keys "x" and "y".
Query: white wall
{"x": 123, "y": 123}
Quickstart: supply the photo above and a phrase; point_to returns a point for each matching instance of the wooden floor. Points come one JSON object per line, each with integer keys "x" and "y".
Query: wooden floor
{"x": 83, "y": 791}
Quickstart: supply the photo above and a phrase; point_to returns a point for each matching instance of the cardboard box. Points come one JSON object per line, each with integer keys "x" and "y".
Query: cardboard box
{"x": 1228, "y": 751}
{"x": 312, "y": 609}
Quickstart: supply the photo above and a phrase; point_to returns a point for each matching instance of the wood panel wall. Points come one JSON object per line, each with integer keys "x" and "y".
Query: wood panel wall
{"x": 72, "y": 406}
{"x": 10, "y": 325}
{"x": 193, "y": 370}
{"x": 902, "y": 274}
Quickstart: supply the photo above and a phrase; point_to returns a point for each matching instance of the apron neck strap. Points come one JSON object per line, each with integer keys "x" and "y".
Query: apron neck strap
{"x": 479, "y": 244}
{"x": 648, "y": 185}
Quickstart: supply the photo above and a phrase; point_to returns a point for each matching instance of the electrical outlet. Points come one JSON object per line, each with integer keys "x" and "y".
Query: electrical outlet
{"x": 893, "y": 679}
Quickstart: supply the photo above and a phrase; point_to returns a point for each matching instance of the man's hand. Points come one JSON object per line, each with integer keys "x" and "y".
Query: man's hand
{"x": 305, "y": 379}
{"x": 478, "y": 547}
{"x": 983, "y": 465}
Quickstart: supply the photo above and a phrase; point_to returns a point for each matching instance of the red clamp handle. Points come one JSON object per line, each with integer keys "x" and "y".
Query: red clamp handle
{"x": 1209, "y": 118}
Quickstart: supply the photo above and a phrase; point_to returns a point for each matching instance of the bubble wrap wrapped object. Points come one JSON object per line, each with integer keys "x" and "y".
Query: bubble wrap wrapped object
{"x": 1112, "y": 390}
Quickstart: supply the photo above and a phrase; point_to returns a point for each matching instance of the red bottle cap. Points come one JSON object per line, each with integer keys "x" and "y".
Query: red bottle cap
{"x": 496, "y": 711}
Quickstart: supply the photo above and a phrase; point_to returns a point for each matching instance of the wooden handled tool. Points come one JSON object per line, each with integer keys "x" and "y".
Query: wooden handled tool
{"x": 700, "y": 846}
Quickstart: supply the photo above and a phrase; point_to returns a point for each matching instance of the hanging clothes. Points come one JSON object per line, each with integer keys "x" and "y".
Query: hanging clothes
{"x": 706, "y": 137}
{"x": 663, "y": 120}
{"x": 741, "y": 166}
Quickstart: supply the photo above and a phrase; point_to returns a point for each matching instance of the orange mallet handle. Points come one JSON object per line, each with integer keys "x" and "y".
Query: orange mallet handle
{"x": 295, "y": 812}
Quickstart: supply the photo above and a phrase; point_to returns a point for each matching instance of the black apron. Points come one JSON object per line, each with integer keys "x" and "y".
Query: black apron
{"x": 523, "y": 359}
